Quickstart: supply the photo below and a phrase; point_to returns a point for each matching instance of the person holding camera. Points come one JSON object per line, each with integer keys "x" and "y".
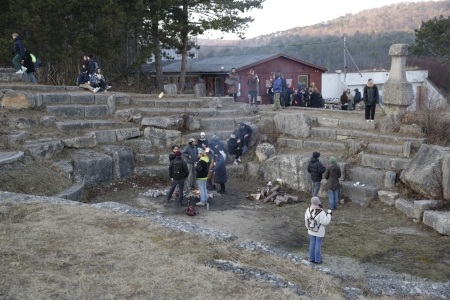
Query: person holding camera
{"x": 316, "y": 221}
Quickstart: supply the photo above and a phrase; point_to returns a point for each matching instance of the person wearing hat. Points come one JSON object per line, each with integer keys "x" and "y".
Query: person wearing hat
{"x": 356, "y": 98}
{"x": 201, "y": 167}
{"x": 178, "y": 171}
{"x": 320, "y": 219}
{"x": 209, "y": 184}
{"x": 190, "y": 156}
{"x": 244, "y": 134}
{"x": 202, "y": 142}
{"x": 316, "y": 169}
{"x": 220, "y": 172}
{"x": 332, "y": 175}
{"x": 83, "y": 80}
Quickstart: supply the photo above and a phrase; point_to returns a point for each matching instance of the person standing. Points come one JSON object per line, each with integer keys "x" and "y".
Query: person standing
{"x": 220, "y": 172}
{"x": 344, "y": 101}
{"x": 216, "y": 146}
{"x": 190, "y": 155}
{"x": 252, "y": 82}
{"x": 320, "y": 220}
{"x": 283, "y": 95}
{"x": 356, "y": 98}
{"x": 314, "y": 97}
{"x": 27, "y": 62}
{"x": 316, "y": 169}
{"x": 277, "y": 91}
{"x": 210, "y": 177}
{"x": 234, "y": 88}
{"x": 172, "y": 156}
{"x": 371, "y": 98}
{"x": 202, "y": 175}
{"x": 178, "y": 171}
{"x": 19, "y": 53}
{"x": 351, "y": 103}
{"x": 332, "y": 175}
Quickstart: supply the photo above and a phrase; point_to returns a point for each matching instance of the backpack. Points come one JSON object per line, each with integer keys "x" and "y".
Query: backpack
{"x": 177, "y": 169}
{"x": 312, "y": 222}
{"x": 95, "y": 64}
{"x": 190, "y": 211}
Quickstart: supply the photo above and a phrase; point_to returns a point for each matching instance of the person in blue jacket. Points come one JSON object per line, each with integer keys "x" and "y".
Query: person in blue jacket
{"x": 277, "y": 91}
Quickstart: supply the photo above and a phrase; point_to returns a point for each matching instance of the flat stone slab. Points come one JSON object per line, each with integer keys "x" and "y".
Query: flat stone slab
{"x": 202, "y": 112}
{"x": 218, "y": 123}
{"x": 357, "y": 124}
{"x": 367, "y": 176}
{"x": 324, "y": 133}
{"x": 384, "y": 162}
{"x": 66, "y": 110}
{"x": 386, "y": 149}
{"x": 45, "y": 148}
{"x": 438, "y": 220}
{"x": 420, "y": 206}
{"x": 323, "y": 145}
{"x": 10, "y": 156}
{"x": 153, "y": 171}
{"x": 55, "y": 98}
{"x": 405, "y": 206}
{"x": 92, "y": 167}
{"x": 14, "y": 138}
{"x": 388, "y": 197}
{"x": 74, "y": 193}
{"x": 81, "y": 98}
{"x": 359, "y": 194}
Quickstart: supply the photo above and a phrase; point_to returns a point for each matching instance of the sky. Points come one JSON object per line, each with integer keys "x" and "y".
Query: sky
{"x": 279, "y": 15}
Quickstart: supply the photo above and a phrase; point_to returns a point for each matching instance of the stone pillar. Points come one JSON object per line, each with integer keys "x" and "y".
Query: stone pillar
{"x": 397, "y": 92}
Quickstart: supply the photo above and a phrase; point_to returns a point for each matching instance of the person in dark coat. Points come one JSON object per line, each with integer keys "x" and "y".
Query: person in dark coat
{"x": 371, "y": 98}
{"x": 356, "y": 98}
{"x": 234, "y": 148}
{"x": 191, "y": 156}
{"x": 316, "y": 169}
{"x": 233, "y": 89}
{"x": 202, "y": 142}
{"x": 283, "y": 95}
{"x": 344, "y": 101}
{"x": 314, "y": 98}
{"x": 83, "y": 80}
{"x": 244, "y": 134}
{"x": 27, "y": 62}
{"x": 252, "y": 86}
{"x": 177, "y": 179}
{"x": 217, "y": 146}
{"x": 220, "y": 172}
{"x": 19, "y": 53}
{"x": 332, "y": 175}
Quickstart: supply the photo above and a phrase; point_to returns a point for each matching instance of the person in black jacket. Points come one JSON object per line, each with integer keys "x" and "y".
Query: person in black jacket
{"x": 371, "y": 98}
{"x": 27, "y": 62}
{"x": 19, "y": 53}
{"x": 244, "y": 134}
{"x": 316, "y": 169}
{"x": 356, "y": 98}
{"x": 234, "y": 147}
{"x": 178, "y": 179}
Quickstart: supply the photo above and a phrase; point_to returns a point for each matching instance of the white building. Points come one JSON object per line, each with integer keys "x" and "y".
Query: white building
{"x": 333, "y": 84}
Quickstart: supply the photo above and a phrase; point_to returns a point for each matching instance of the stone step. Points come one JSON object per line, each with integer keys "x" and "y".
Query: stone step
{"x": 221, "y": 134}
{"x": 218, "y": 124}
{"x": 312, "y": 144}
{"x": 86, "y": 124}
{"x": 384, "y": 162}
{"x": 345, "y": 123}
{"x": 152, "y": 112}
{"x": 374, "y": 177}
{"x": 9, "y": 75}
{"x": 10, "y": 156}
{"x": 74, "y": 193}
{"x": 359, "y": 194}
{"x": 40, "y": 87}
{"x": 73, "y": 110}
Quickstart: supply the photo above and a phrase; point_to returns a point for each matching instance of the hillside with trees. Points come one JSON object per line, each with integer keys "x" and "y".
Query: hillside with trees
{"x": 369, "y": 35}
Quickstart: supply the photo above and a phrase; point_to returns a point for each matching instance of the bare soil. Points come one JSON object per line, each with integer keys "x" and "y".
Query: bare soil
{"x": 376, "y": 239}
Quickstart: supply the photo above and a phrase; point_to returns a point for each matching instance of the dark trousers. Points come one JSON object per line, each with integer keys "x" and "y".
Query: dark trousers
{"x": 222, "y": 187}
{"x": 370, "y": 112}
{"x": 238, "y": 153}
{"x": 234, "y": 95}
{"x": 180, "y": 183}
{"x": 344, "y": 107}
{"x": 245, "y": 140}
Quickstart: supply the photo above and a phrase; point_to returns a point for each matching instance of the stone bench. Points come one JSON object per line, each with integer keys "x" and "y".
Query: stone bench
{"x": 384, "y": 162}
{"x": 359, "y": 194}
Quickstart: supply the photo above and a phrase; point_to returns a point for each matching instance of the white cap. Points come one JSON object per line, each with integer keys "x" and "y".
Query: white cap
{"x": 202, "y": 133}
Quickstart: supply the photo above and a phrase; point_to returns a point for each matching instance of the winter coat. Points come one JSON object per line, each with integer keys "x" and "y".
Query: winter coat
{"x": 371, "y": 95}
{"x": 233, "y": 88}
{"x": 28, "y": 63}
{"x": 200, "y": 143}
{"x": 332, "y": 175}
{"x": 316, "y": 169}
{"x": 184, "y": 167}
{"x": 83, "y": 78}
{"x": 216, "y": 145}
{"x": 19, "y": 49}
{"x": 344, "y": 99}
{"x": 314, "y": 100}
{"x": 96, "y": 79}
{"x": 220, "y": 172}
{"x": 91, "y": 67}
{"x": 277, "y": 85}
{"x": 322, "y": 218}
{"x": 192, "y": 151}
{"x": 204, "y": 162}
{"x": 357, "y": 97}
{"x": 172, "y": 156}
{"x": 243, "y": 131}
{"x": 283, "y": 87}
{"x": 251, "y": 82}
{"x": 233, "y": 145}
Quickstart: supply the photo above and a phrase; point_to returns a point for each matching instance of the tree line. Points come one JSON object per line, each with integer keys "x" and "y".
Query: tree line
{"x": 125, "y": 33}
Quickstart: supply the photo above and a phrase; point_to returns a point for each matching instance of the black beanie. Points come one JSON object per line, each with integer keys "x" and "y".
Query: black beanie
{"x": 316, "y": 154}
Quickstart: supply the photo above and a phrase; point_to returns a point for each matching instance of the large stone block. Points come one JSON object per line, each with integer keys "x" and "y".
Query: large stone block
{"x": 105, "y": 136}
{"x": 405, "y": 206}
{"x": 74, "y": 193}
{"x": 296, "y": 144}
{"x": 384, "y": 162}
{"x": 439, "y": 220}
{"x": 192, "y": 123}
{"x": 264, "y": 151}
{"x": 73, "y": 125}
{"x": 295, "y": 125}
{"x": 13, "y": 138}
{"x": 420, "y": 206}
{"x": 139, "y": 146}
{"x": 428, "y": 171}
{"x": 217, "y": 124}
{"x": 96, "y": 111}
{"x": 153, "y": 171}
{"x": 367, "y": 176}
{"x": 45, "y": 148}
{"x": 323, "y": 133}
{"x": 91, "y": 167}
{"x": 328, "y": 122}
{"x": 66, "y": 110}
{"x": 121, "y": 99}
{"x": 388, "y": 197}
{"x": 389, "y": 179}
{"x": 357, "y": 124}
{"x": 81, "y": 98}
{"x": 87, "y": 141}
{"x": 127, "y": 133}
{"x": 123, "y": 161}
{"x": 395, "y": 150}
{"x": 323, "y": 145}
{"x": 101, "y": 99}
{"x": 197, "y": 103}
{"x": 162, "y": 138}
{"x": 254, "y": 171}
{"x": 359, "y": 194}
{"x": 163, "y": 122}
{"x": 17, "y": 100}
{"x": 145, "y": 158}
{"x": 55, "y": 98}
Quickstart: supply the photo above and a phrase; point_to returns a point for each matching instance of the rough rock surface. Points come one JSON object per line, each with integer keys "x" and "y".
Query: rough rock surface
{"x": 264, "y": 151}
{"x": 295, "y": 125}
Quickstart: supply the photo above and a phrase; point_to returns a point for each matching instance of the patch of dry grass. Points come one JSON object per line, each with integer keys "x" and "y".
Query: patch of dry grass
{"x": 51, "y": 251}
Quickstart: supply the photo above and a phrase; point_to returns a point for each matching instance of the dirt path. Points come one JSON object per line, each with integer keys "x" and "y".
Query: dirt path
{"x": 360, "y": 240}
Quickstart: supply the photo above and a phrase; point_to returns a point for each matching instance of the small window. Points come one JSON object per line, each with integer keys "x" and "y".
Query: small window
{"x": 218, "y": 86}
{"x": 303, "y": 79}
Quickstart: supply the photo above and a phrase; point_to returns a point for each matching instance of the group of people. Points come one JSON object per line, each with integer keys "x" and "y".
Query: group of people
{"x": 202, "y": 163}
{"x": 316, "y": 219}
{"x": 23, "y": 61}
{"x": 91, "y": 77}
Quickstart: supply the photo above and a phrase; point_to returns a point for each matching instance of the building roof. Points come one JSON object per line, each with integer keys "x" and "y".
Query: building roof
{"x": 223, "y": 63}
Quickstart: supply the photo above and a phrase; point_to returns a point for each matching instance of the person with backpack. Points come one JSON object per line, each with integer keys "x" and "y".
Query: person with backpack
{"x": 316, "y": 221}
{"x": 332, "y": 175}
{"x": 28, "y": 63}
{"x": 220, "y": 172}
{"x": 178, "y": 171}
{"x": 316, "y": 169}
{"x": 201, "y": 167}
